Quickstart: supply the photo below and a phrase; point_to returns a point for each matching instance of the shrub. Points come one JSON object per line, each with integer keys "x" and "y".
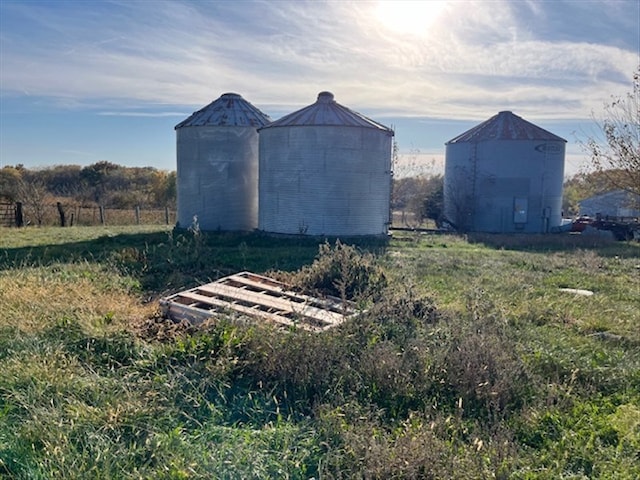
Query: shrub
{"x": 341, "y": 271}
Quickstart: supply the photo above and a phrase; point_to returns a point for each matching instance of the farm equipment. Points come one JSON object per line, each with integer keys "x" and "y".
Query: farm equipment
{"x": 622, "y": 228}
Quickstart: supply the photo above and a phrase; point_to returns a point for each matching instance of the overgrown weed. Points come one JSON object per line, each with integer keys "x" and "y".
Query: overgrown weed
{"x": 466, "y": 361}
{"x": 341, "y": 271}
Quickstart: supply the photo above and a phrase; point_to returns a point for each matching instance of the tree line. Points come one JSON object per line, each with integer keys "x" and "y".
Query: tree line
{"x": 102, "y": 183}
{"x": 421, "y": 197}
{"x": 614, "y": 153}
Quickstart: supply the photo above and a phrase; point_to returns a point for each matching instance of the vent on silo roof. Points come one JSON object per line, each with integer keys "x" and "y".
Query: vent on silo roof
{"x": 505, "y": 126}
{"x": 228, "y": 110}
{"x": 326, "y": 111}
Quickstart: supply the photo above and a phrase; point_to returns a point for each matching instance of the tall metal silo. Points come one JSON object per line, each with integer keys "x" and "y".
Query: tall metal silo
{"x": 504, "y": 175}
{"x": 217, "y": 157}
{"x": 325, "y": 170}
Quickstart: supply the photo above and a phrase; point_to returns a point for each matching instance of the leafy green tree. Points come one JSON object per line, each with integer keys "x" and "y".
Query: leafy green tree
{"x": 60, "y": 180}
{"x": 104, "y": 183}
{"x": 95, "y": 178}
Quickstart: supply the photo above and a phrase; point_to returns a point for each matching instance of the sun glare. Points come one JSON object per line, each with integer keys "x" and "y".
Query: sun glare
{"x": 412, "y": 17}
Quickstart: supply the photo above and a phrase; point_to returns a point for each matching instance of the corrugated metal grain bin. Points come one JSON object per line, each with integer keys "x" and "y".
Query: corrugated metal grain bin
{"x": 217, "y": 157}
{"x": 325, "y": 170}
{"x": 504, "y": 175}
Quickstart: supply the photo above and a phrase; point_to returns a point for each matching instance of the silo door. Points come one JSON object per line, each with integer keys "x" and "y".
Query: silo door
{"x": 520, "y": 209}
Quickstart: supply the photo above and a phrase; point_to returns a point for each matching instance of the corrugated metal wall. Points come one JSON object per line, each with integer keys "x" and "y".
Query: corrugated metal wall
{"x": 324, "y": 180}
{"x": 505, "y": 185}
{"x": 217, "y": 177}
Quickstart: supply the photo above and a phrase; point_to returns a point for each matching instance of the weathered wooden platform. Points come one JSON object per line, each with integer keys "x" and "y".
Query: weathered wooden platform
{"x": 258, "y": 297}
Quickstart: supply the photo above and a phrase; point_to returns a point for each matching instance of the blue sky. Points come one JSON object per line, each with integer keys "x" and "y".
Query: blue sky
{"x": 84, "y": 81}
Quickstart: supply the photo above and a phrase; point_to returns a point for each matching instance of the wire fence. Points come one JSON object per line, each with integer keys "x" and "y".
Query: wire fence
{"x": 12, "y": 215}
{"x": 408, "y": 220}
{"x": 18, "y": 215}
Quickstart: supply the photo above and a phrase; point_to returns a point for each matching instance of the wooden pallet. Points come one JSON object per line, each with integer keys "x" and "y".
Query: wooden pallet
{"x": 256, "y": 296}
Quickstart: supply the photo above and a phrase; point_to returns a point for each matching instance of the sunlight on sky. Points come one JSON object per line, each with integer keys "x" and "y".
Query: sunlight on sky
{"x": 413, "y": 17}
{"x": 108, "y": 80}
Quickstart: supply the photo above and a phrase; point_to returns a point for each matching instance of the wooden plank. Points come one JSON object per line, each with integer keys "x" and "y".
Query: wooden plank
{"x": 179, "y": 312}
{"x": 239, "y": 308}
{"x": 257, "y": 296}
{"x": 268, "y": 292}
{"x": 271, "y": 302}
{"x": 332, "y": 303}
{"x": 317, "y": 315}
{"x": 197, "y": 298}
{"x": 314, "y": 301}
{"x": 262, "y": 279}
{"x": 246, "y": 295}
{"x": 252, "y": 283}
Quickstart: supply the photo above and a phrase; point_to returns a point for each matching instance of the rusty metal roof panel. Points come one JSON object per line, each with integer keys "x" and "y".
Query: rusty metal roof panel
{"x": 228, "y": 110}
{"x": 505, "y": 126}
{"x": 326, "y": 111}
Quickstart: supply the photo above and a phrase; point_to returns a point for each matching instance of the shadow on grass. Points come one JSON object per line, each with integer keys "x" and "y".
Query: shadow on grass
{"x": 163, "y": 261}
{"x": 555, "y": 243}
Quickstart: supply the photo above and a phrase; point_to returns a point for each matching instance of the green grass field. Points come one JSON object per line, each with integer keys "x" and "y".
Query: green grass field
{"x": 467, "y": 360}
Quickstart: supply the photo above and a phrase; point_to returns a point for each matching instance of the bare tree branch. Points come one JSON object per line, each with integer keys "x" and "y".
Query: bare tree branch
{"x": 615, "y": 149}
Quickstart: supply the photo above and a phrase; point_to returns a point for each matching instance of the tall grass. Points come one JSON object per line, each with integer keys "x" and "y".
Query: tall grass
{"x": 466, "y": 361}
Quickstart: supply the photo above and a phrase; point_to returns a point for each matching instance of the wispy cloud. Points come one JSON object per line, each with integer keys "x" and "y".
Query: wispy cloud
{"x": 142, "y": 114}
{"x": 477, "y": 58}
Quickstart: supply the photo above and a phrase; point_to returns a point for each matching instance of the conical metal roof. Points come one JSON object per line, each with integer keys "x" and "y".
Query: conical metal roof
{"x": 326, "y": 111}
{"x": 505, "y": 126}
{"x": 228, "y": 110}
